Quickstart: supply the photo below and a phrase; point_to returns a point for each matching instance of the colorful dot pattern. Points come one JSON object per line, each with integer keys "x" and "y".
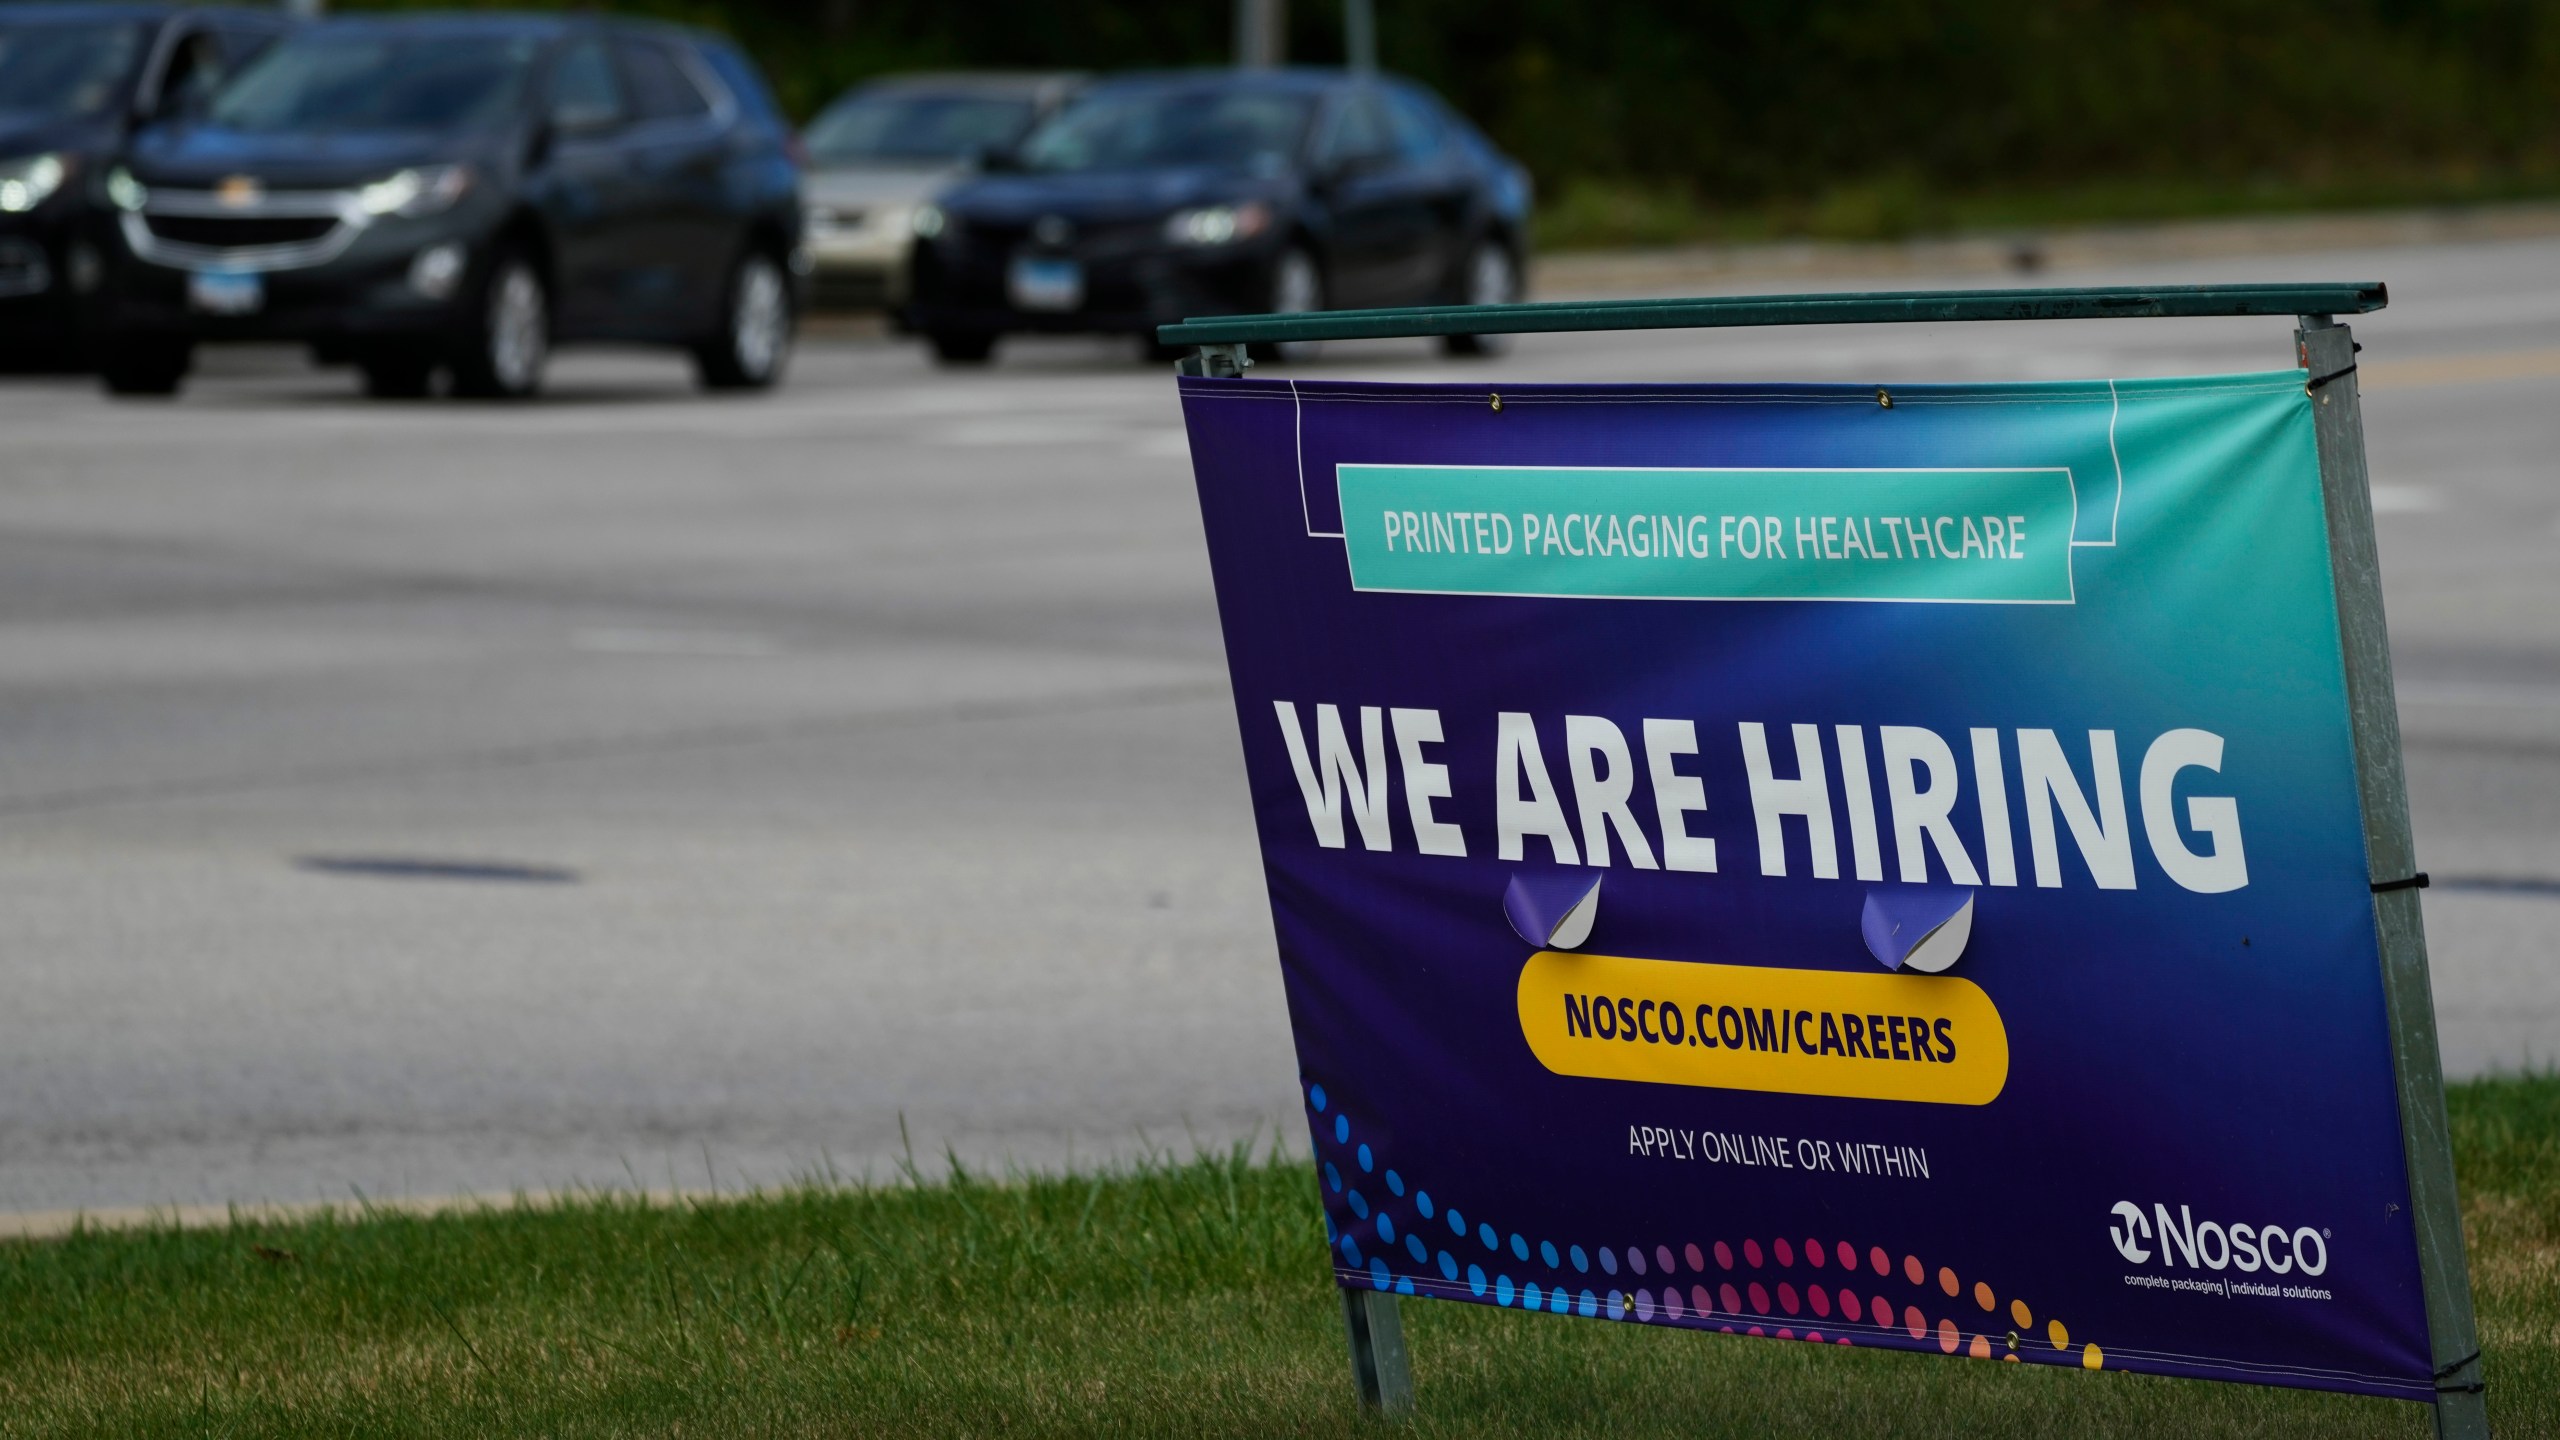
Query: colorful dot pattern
{"x": 1792, "y": 1289}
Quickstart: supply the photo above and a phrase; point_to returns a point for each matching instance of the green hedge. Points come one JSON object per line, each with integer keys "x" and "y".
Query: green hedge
{"x": 1853, "y": 116}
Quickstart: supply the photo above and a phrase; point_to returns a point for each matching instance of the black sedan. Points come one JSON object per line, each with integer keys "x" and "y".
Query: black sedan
{"x": 457, "y": 193}
{"x": 1158, "y": 197}
{"x": 74, "y": 81}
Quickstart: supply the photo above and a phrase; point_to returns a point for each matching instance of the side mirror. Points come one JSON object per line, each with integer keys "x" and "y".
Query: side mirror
{"x": 181, "y": 101}
{"x": 537, "y": 145}
{"x": 995, "y": 159}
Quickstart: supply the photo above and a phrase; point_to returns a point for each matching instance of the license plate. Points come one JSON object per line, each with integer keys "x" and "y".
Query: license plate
{"x": 1043, "y": 284}
{"x": 223, "y": 292}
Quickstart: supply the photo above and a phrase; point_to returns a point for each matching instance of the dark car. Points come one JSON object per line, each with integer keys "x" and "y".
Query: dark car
{"x": 1158, "y": 197}
{"x": 458, "y": 192}
{"x": 74, "y": 81}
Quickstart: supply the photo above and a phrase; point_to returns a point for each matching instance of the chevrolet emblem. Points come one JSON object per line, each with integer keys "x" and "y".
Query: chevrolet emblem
{"x": 238, "y": 192}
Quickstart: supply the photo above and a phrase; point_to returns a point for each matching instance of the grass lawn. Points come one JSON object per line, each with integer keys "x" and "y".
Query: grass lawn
{"x": 1181, "y": 1299}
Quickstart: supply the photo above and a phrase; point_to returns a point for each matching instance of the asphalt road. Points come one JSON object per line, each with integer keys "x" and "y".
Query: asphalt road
{"x": 634, "y": 786}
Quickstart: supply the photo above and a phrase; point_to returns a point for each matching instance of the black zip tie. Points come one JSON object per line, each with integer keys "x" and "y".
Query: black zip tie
{"x": 2348, "y": 369}
{"x": 2414, "y": 882}
{"x": 2445, "y": 1374}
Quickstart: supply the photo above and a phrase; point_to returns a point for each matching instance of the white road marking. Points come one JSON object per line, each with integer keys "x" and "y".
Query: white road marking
{"x": 2480, "y": 694}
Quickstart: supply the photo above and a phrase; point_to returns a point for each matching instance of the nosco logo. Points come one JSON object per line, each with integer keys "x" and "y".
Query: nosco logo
{"x": 2211, "y": 1245}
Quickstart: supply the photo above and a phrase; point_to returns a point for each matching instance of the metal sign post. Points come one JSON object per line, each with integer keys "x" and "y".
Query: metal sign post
{"x": 1262, "y": 33}
{"x": 1360, "y": 34}
{"x": 2326, "y": 352}
{"x": 1378, "y": 1366}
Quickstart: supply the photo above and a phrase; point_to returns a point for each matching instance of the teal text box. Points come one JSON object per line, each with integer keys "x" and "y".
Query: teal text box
{"x": 1997, "y": 537}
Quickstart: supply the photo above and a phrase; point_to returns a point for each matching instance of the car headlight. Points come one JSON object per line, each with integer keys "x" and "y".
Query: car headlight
{"x": 413, "y": 193}
{"x": 30, "y": 180}
{"x": 1218, "y": 224}
{"x": 928, "y": 221}
{"x": 125, "y": 192}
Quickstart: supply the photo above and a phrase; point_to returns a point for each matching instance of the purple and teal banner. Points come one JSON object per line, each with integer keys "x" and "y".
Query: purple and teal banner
{"x": 1765, "y": 859}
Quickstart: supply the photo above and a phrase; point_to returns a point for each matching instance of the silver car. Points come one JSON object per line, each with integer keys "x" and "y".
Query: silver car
{"x": 879, "y": 154}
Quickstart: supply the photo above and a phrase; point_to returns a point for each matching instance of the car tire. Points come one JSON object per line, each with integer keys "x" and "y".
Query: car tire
{"x": 755, "y": 327}
{"x": 145, "y": 367}
{"x": 962, "y": 347}
{"x": 507, "y": 343}
{"x": 1297, "y": 287}
{"x": 398, "y": 377}
{"x": 1492, "y": 277}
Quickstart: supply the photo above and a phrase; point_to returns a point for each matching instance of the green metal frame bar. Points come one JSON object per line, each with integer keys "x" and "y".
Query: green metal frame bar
{"x": 2327, "y": 352}
{"x": 1881, "y": 307}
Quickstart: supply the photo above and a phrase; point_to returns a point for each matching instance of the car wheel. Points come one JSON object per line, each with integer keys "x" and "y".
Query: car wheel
{"x": 962, "y": 347}
{"x": 755, "y": 338}
{"x": 1297, "y": 288}
{"x": 1492, "y": 278}
{"x": 397, "y": 377}
{"x": 508, "y": 344}
{"x": 145, "y": 366}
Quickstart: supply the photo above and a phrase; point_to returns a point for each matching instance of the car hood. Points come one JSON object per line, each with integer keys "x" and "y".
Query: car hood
{"x": 864, "y": 187}
{"x": 195, "y": 153}
{"x": 1104, "y": 195}
{"x": 34, "y": 135}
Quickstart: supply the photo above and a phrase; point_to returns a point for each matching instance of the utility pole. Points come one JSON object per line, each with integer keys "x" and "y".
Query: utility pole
{"x": 1360, "y": 34}
{"x": 1261, "y": 33}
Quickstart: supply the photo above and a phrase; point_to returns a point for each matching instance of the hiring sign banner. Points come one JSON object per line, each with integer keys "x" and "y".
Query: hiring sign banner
{"x": 1848, "y": 866}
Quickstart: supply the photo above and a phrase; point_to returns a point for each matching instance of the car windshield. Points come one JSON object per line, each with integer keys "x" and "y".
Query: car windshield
{"x": 915, "y": 127}
{"x": 58, "y": 69}
{"x": 375, "y": 81}
{"x": 1145, "y": 129}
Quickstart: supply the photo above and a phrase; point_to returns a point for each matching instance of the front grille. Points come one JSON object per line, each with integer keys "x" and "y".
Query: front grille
{"x": 992, "y": 236}
{"x": 1120, "y": 238}
{"x": 228, "y": 232}
{"x": 1098, "y": 240}
{"x": 23, "y": 270}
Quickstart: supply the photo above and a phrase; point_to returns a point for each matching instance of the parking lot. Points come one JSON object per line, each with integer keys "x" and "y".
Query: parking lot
{"x": 643, "y": 787}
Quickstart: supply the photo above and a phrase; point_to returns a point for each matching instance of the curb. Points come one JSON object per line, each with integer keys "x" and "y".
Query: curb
{"x": 2025, "y": 252}
{"x": 40, "y": 1225}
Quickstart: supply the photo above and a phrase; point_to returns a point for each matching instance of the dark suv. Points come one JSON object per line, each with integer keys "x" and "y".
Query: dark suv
{"x": 74, "y": 81}
{"x": 458, "y": 192}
